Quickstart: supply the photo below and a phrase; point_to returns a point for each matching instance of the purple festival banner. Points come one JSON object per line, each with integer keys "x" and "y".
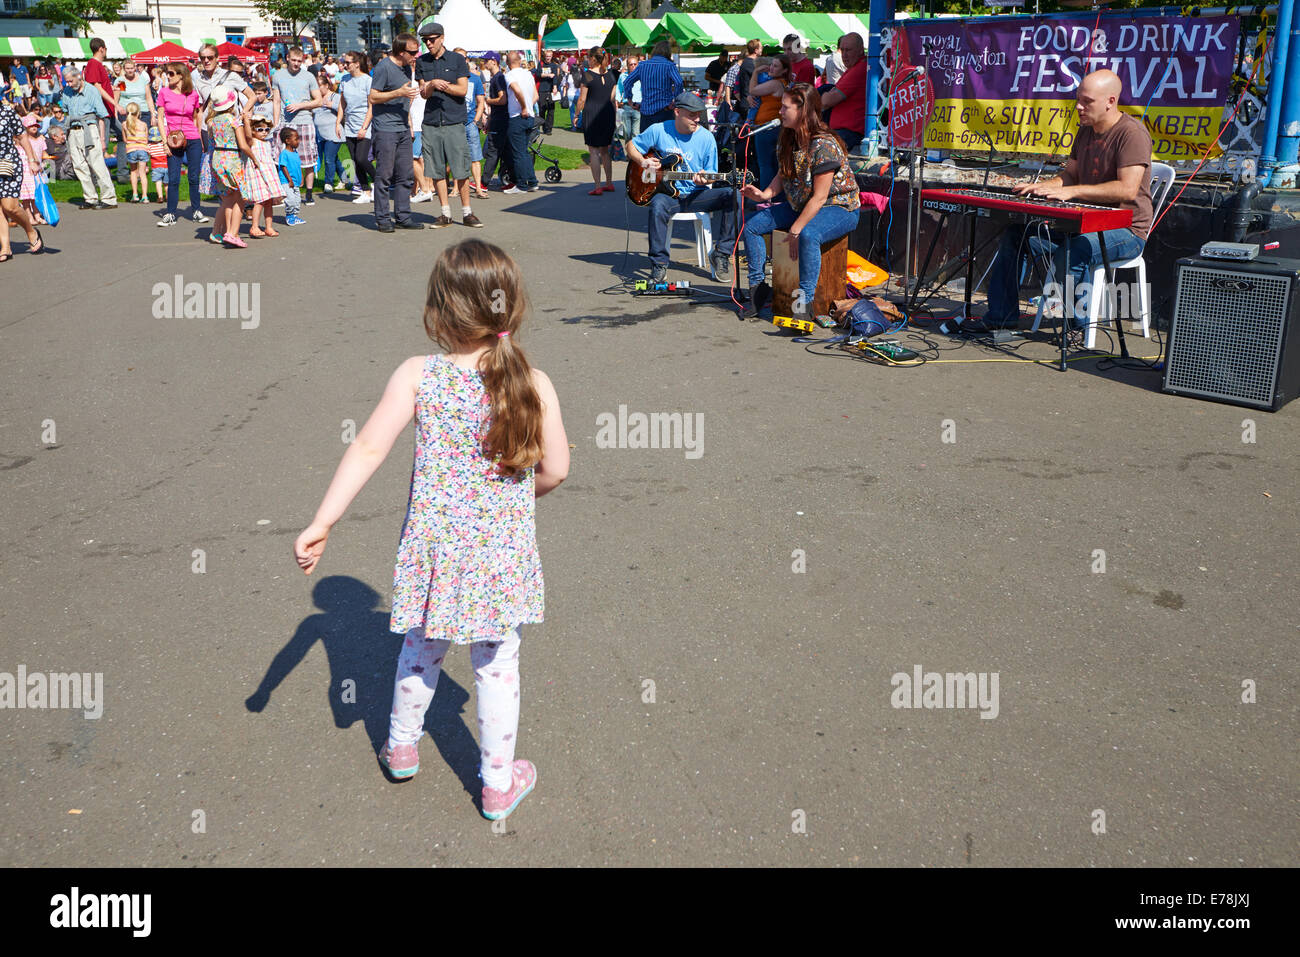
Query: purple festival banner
{"x": 1014, "y": 78}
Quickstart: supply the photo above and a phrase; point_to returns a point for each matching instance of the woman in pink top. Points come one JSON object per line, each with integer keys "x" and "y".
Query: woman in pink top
{"x": 178, "y": 110}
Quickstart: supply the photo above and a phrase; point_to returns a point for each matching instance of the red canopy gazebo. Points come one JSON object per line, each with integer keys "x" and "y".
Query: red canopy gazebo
{"x": 164, "y": 53}
{"x": 225, "y": 50}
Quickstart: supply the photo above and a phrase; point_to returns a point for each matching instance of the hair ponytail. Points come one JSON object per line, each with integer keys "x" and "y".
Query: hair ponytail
{"x": 515, "y": 436}
{"x": 476, "y": 293}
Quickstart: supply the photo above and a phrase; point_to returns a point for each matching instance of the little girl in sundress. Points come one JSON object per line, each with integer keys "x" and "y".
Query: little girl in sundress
{"x": 230, "y": 150}
{"x": 261, "y": 185}
{"x": 489, "y": 441}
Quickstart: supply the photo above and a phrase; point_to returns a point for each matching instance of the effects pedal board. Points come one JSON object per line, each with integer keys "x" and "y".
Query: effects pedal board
{"x": 644, "y": 287}
{"x": 890, "y": 350}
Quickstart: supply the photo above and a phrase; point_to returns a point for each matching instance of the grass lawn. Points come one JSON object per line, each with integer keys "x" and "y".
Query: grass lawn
{"x": 69, "y": 191}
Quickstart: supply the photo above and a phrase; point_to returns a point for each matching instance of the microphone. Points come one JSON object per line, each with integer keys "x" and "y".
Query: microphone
{"x": 911, "y": 72}
{"x": 770, "y": 124}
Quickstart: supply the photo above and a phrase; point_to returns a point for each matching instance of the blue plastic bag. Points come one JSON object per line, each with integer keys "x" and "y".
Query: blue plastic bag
{"x": 45, "y": 204}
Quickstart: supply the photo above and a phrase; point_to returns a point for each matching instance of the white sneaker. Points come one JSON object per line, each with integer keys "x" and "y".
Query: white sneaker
{"x": 514, "y": 190}
{"x": 167, "y": 220}
{"x": 364, "y": 199}
{"x": 422, "y": 197}
{"x": 328, "y": 188}
{"x": 198, "y": 217}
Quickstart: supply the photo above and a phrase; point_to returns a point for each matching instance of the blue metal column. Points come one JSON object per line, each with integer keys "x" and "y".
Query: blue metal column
{"x": 882, "y": 12}
{"x": 1276, "y": 89}
{"x": 1288, "y": 138}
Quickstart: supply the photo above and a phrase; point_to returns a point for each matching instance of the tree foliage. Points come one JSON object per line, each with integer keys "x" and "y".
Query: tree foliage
{"x": 299, "y": 13}
{"x": 75, "y": 13}
{"x": 525, "y": 14}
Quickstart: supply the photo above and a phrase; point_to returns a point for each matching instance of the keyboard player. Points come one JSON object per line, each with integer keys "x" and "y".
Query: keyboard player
{"x": 1109, "y": 165}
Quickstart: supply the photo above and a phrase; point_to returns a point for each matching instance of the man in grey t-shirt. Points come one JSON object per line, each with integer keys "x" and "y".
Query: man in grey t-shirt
{"x": 299, "y": 96}
{"x": 392, "y": 88}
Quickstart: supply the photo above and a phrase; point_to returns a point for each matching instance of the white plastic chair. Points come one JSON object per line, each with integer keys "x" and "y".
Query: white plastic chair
{"x": 1162, "y": 178}
{"x": 703, "y": 236}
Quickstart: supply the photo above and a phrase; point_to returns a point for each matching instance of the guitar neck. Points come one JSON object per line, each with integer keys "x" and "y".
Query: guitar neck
{"x": 711, "y": 176}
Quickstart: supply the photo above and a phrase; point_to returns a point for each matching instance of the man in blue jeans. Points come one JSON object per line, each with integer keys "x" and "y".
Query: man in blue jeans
{"x": 1110, "y": 164}
{"x": 521, "y": 100}
{"x": 684, "y": 136}
{"x": 392, "y": 88}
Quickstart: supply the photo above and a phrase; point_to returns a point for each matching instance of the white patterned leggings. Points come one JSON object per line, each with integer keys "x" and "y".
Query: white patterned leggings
{"x": 496, "y": 684}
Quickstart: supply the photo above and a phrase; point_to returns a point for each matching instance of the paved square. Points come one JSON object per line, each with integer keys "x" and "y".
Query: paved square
{"x": 694, "y": 697}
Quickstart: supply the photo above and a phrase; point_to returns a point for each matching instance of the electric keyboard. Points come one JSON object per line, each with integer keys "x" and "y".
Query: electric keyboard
{"x": 1066, "y": 216}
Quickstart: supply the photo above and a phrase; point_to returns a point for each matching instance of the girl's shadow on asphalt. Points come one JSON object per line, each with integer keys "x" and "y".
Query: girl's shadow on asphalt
{"x": 362, "y": 650}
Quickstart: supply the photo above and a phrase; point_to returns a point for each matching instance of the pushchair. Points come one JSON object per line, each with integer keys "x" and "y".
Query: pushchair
{"x": 552, "y": 174}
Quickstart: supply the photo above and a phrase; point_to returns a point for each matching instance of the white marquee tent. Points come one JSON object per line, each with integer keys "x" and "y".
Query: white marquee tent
{"x": 469, "y": 25}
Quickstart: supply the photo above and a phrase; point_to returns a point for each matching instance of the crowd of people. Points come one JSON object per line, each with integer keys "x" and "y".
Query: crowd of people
{"x": 422, "y": 122}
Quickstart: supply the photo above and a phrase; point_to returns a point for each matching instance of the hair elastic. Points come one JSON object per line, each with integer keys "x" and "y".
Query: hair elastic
{"x": 502, "y": 335}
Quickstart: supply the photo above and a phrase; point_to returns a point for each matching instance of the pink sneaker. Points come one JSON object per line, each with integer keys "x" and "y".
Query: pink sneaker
{"x": 499, "y": 804}
{"x": 401, "y": 762}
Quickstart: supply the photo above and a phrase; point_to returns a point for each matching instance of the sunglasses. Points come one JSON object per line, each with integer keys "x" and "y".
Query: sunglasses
{"x": 172, "y": 73}
{"x": 206, "y": 56}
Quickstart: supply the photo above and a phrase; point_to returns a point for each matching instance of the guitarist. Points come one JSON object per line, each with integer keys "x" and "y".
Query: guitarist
{"x": 685, "y": 136}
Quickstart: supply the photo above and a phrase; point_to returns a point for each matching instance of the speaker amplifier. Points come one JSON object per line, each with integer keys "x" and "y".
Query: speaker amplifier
{"x": 1232, "y": 338}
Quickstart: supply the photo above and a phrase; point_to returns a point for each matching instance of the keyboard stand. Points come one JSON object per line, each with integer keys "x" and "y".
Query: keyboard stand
{"x": 1110, "y": 285}
{"x": 1109, "y": 272}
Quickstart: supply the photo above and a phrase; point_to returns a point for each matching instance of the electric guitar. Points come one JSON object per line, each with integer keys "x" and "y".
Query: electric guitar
{"x": 643, "y": 182}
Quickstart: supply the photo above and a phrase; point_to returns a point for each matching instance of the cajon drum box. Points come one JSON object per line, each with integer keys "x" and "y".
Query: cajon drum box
{"x": 785, "y": 275}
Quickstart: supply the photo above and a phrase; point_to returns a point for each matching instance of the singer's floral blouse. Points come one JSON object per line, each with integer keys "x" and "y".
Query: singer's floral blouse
{"x": 822, "y": 155}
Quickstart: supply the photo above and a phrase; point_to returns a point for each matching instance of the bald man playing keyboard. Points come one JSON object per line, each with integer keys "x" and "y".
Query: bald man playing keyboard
{"x": 1110, "y": 165}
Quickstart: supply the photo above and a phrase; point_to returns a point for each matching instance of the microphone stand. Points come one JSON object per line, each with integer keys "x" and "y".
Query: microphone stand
{"x": 913, "y": 199}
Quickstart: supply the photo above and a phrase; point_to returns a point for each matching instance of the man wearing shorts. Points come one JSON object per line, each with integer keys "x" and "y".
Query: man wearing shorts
{"x": 300, "y": 95}
{"x": 443, "y": 76}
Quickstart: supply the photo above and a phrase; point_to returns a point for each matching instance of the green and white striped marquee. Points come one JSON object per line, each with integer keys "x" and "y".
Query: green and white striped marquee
{"x": 703, "y": 31}
{"x": 629, "y": 33}
{"x": 78, "y": 48}
{"x": 70, "y": 48}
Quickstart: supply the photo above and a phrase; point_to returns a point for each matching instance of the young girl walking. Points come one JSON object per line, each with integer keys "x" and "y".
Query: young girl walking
{"x": 489, "y": 441}
{"x": 261, "y": 186}
{"x": 227, "y": 132}
{"x": 136, "y": 135}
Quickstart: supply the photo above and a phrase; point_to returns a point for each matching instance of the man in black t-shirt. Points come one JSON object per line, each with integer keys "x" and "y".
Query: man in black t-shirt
{"x": 547, "y": 76}
{"x": 716, "y": 70}
{"x": 740, "y": 95}
{"x": 495, "y": 147}
{"x": 443, "y": 75}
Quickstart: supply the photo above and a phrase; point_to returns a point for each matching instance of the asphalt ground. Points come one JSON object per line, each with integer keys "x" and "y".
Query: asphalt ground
{"x": 767, "y": 735}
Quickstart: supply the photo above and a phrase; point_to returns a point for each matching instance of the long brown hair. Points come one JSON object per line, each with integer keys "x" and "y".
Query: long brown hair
{"x": 797, "y": 138}
{"x": 476, "y": 292}
{"x": 187, "y": 84}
